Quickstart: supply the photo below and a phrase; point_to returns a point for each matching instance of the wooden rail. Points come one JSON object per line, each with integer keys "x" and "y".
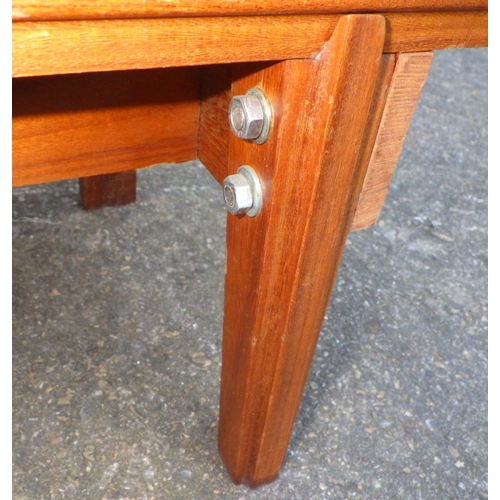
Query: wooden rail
{"x": 45, "y": 48}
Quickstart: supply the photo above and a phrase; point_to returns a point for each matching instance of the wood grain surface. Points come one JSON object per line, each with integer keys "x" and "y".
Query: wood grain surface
{"x": 282, "y": 263}
{"x": 214, "y": 129}
{"x": 36, "y": 10}
{"x": 79, "y": 125}
{"x": 407, "y": 83}
{"x": 42, "y": 48}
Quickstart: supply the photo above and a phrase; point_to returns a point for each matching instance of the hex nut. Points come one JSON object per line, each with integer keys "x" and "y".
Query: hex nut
{"x": 242, "y": 192}
{"x": 250, "y": 115}
{"x": 237, "y": 194}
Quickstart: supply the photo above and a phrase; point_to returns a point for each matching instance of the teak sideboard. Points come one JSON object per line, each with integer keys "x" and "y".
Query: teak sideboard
{"x": 104, "y": 87}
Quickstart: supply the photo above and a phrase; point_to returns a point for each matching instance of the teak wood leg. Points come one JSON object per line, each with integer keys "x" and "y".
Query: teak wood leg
{"x": 281, "y": 264}
{"x": 108, "y": 189}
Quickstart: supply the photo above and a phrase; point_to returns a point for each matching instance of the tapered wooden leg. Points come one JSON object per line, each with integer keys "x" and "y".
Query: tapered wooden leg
{"x": 108, "y": 190}
{"x": 282, "y": 263}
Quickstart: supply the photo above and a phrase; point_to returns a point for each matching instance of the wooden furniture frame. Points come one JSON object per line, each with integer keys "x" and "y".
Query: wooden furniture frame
{"x": 104, "y": 87}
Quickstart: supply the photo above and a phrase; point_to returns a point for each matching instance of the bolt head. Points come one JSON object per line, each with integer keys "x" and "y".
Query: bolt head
{"x": 237, "y": 194}
{"x": 246, "y": 116}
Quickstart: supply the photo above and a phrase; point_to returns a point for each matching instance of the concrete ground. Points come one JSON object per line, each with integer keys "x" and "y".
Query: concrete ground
{"x": 117, "y": 332}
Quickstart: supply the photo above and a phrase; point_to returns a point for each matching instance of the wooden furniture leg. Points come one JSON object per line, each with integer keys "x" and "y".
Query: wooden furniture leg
{"x": 108, "y": 190}
{"x": 281, "y": 264}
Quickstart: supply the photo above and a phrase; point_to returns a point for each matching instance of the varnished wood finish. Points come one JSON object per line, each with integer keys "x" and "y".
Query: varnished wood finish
{"x": 281, "y": 264}
{"x": 108, "y": 190}
{"x": 41, "y": 48}
{"x": 35, "y": 10}
{"x": 419, "y": 32}
{"x": 80, "y": 125}
{"x": 214, "y": 130}
{"x": 407, "y": 82}
{"x": 213, "y": 141}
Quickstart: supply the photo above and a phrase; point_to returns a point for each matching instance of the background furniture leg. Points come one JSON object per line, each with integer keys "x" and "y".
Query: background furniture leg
{"x": 108, "y": 189}
{"x": 281, "y": 264}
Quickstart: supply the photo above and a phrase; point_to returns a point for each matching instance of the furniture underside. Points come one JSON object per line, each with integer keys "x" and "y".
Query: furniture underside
{"x": 91, "y": 125}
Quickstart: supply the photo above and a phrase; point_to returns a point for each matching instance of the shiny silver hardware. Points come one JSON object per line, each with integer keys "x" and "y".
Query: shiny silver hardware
{"x": 250, "y": 116}
{"x": 242, "y": 192}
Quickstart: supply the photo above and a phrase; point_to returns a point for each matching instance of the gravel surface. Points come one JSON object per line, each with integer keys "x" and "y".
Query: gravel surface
{"x": 117, "y": 332}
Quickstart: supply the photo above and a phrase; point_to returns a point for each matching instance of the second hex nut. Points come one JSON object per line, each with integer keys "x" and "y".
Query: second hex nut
{"x": 237, "y": 194}
{"x": 243, "y": 192}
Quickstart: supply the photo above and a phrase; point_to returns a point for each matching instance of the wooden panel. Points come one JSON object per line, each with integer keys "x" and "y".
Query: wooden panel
{"x": 214, "y": 130}
{"x": 49, "y": 47}
{"x": 407, "y": 82}
{"x": 282, "y": 263}
{"x": 108, "y": 190}
{"x": 80, "y": 125}
{"x": 32, "y": 10}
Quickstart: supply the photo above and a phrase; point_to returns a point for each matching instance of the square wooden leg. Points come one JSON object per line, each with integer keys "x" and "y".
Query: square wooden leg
{"x": 282, "y": 263}
{"x": 108, "y": 189}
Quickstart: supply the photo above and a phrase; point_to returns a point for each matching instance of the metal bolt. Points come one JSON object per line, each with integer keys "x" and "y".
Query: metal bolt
{"x": 250, "y": 116}
{"x": 242, "y": 192}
